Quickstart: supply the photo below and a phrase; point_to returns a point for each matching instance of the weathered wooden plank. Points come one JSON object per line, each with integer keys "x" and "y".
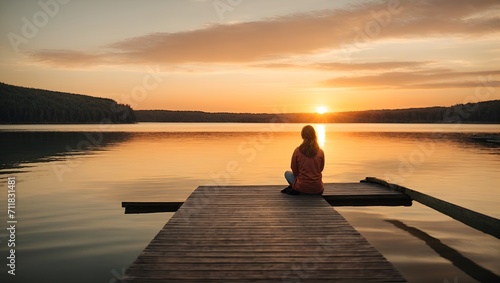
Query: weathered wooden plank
{"x": 268, "y": 237}
{"x": 150, "y": 207}
{"x": 285, "y": 275}
{"x": 255, "y": 267}
{"x": 346, "y": 258}
{"x": 336, "y": 194}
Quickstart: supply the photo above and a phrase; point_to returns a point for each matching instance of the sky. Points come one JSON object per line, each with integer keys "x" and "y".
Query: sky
{"x": 259, "y": 56}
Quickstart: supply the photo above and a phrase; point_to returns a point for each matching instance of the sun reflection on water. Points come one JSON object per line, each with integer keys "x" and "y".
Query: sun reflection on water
{"x": 321, "y": 133}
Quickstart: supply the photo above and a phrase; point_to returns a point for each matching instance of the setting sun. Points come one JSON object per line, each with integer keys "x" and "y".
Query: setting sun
{"x": 321, "y": 109}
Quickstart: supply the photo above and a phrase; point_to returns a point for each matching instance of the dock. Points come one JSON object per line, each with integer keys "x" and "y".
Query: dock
{"x": 257, "y": 234}
{"x": 336, "y": 194}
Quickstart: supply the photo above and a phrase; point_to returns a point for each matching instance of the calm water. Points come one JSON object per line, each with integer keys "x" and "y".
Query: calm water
{"x": 71, "y": 180}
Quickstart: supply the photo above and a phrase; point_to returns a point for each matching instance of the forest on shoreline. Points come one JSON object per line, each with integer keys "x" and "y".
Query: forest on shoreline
{"x": 487, "y": 112}
{"x": 21, "y": 105}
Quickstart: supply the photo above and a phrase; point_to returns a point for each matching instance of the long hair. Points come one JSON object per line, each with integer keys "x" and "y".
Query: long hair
{"x": 309, "y": 146}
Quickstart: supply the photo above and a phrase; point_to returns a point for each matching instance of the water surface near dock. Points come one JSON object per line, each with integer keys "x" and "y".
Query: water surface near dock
{"x": 71, "y": 184}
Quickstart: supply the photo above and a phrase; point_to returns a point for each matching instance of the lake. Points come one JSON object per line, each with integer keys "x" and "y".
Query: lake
{"x": 71, "y": 180}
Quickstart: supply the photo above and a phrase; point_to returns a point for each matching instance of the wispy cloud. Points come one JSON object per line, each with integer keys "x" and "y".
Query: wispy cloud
{"x": 299, "y": 34}
{"x": 415, "y": 80}
{"x": 71, "y": 58}
{"x": 336, "y": 66}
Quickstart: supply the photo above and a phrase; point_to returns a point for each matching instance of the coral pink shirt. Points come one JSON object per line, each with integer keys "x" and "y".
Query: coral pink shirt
{"x": 307, "y": 171}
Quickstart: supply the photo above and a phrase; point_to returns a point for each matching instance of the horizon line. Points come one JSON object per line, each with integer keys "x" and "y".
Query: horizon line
{"x": 326, "y": 113}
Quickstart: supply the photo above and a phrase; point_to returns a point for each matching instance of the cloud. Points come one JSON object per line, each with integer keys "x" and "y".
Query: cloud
{"x": 336, "y": 66}
{"x": 70, "y": 58}
{"x": 370, "y": 66}
{"x": 416, "y": 80}
{"x": 298, "y": 34}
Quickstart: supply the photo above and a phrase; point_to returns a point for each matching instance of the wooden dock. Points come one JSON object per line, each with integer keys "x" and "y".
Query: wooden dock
{"x": 336, "y": 194}
{"x": 257, "y": 234}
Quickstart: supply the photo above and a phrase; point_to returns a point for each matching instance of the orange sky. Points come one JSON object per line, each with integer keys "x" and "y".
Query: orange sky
{"x": 256, "y": 56}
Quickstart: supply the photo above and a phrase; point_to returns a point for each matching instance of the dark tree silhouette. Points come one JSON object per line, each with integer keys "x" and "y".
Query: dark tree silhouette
{"x": 29, "y": 105}
{"x": 482, "y": 112}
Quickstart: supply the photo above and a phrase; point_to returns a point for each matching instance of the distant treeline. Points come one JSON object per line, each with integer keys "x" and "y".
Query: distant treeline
{"x": 199, "y": 116}
{"x": 482, "y": 112}
{"x": 29, "y": 105}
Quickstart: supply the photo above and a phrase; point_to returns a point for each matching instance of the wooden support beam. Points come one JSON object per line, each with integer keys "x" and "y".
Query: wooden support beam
{"x": 150, "y": 207}
{"x": 368, "y": 200}
{"x": 333, "y": 200}
{"x": 336, "y": 194}
{"x": 476, "y": 220}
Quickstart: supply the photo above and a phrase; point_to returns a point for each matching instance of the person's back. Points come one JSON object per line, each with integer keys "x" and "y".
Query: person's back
{"x": 308, "y": 161}
{"x": 308, "y": 172}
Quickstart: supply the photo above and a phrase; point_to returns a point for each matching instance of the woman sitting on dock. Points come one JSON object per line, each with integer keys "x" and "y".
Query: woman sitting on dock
{"x": 308, "y": 161}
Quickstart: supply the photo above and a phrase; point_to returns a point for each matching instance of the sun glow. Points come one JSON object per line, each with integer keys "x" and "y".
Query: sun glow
{"x": 321, "y": 109}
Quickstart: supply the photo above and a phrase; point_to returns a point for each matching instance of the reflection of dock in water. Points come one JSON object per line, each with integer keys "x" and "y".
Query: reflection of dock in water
{"x": 455, "y": 257}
